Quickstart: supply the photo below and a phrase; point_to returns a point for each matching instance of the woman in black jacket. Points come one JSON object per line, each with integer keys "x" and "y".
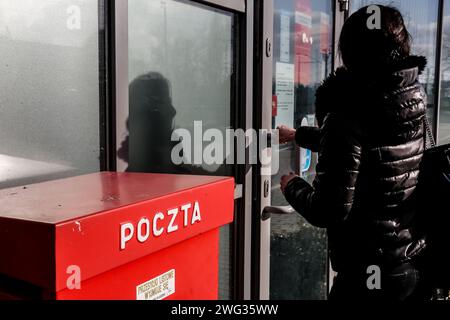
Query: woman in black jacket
{"x": 370, "y": 143}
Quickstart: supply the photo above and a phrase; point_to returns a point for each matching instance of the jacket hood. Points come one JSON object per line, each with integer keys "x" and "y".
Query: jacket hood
{"x": 364, "y": 92}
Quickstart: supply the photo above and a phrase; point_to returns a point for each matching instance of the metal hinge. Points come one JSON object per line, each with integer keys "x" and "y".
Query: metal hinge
{"x": 344, "y": 5}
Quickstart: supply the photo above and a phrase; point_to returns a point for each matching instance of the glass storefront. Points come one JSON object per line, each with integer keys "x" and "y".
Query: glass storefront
{"x": 182, "y": 68}
{"x": 49, "y": 90}
{"x": 303, "y": 55}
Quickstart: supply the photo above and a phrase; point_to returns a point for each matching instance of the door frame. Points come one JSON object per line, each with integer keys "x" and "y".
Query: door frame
{"x": 236, "y": 5}
{"x": 263, "y": 102}
{"x": 243, "y": 222}
{"x": 264, "y": 11}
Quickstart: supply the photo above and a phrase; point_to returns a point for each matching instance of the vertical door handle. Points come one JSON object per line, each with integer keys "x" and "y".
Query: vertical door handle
{"x": 268, "y": 47}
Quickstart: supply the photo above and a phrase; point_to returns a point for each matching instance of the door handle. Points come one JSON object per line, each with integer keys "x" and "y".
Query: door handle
{"x": 268, "y": 211}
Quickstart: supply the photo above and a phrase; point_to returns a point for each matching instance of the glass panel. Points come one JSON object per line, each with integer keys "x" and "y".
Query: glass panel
{"x": 181, "y": 71}
{"x": 444, "y": 123}
{"x": 420, "y": 17}
{"x": 302, "y": 57}
{"x": 49, "y": 90}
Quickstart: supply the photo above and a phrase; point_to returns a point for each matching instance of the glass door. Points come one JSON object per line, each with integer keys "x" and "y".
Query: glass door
{"x": 50, "y": 109}
{"x": 303, "y": 55}
{"x": 305, "y": 33}
{"x": 294, "y": 255}
{"x": 179, "y": 78}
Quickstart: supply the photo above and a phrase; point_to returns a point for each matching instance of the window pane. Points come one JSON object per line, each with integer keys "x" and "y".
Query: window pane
{"x": 420, "y": 17}
{"x": 49, "y": 96}
{"x": 180, "y": 71}
{"x": 444, "y": 125}
{"x": 302, "y": 59}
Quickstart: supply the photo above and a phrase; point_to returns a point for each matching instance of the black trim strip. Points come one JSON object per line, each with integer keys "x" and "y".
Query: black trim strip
{"x": 257, "y": 121}
{"x": 438, "y": 72}
{"x": 107, "y": 85}
{"x": 240, "y": 116}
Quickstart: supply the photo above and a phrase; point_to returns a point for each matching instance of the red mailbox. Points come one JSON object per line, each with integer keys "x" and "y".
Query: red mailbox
{"x": 114, "y": 236}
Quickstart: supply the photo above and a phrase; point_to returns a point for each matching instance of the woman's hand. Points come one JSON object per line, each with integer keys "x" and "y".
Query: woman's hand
{"x": 286, "y": 134}
{"x": 286, "y": 179}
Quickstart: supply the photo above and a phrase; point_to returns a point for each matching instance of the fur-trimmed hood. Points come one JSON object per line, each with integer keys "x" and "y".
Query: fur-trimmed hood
{"x": 343, "y": 86}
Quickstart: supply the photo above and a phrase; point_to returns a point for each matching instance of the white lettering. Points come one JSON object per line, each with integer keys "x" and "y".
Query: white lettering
{"x": 196, "y": 217}
{"x": 156, "y": 226}
{"x": 126, "y": 234}
{"x": 143, "y": 237}
{"x": 172, "y": 226}
{"x": 186, "y": 209}
{"x": 158, "y": 232}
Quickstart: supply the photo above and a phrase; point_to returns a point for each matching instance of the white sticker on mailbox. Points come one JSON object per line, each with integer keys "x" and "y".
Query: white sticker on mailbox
{"x": 158, "y": 288}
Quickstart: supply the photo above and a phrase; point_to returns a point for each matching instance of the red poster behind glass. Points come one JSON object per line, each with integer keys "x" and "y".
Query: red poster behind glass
{"x": 324, "y": 33}
{"x": 303, "y": 42}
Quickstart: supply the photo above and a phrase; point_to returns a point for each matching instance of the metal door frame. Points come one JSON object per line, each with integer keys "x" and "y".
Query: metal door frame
{"x": 263, "y": 103}
{"x": 264, "y": 11}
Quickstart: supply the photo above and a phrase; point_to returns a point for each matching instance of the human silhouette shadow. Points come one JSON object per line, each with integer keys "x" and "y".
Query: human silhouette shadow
{"x": 148, "y": 146}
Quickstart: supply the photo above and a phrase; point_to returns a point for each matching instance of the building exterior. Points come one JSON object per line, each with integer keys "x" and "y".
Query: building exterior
{"x": 97, "y": 85}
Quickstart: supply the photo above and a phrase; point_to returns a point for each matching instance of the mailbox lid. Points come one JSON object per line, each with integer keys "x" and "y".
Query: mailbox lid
{"x": 80, "y": 221}
{"x": 63, "y": 200}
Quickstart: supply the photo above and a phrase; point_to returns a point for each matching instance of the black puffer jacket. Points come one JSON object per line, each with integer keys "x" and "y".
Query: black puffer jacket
{"x": 371, "y": 147}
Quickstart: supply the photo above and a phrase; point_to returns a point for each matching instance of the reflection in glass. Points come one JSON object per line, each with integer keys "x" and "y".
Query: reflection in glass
{"x": 444, "y": 119}
{"x": 49, "y": 90}
{"x": 180, "y": 71}
{"x": 151, "y": 124}
{"x": 302, "y": 59}
{"x": 190, "y": 47}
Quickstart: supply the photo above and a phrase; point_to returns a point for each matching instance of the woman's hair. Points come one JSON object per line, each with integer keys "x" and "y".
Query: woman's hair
{"x": 364, "y": 48}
